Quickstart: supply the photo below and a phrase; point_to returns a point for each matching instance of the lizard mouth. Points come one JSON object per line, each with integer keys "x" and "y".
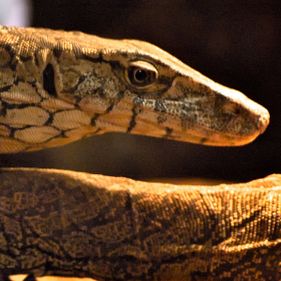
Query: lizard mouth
{"x": 226, "y": 130}
{"x": 215, "y": 129}
{"x": 212, "y": 139}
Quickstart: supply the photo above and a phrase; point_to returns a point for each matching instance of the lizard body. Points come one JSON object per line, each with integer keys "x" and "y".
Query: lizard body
{"x": 57, "y": 87}
{"x": 67, "y": 223}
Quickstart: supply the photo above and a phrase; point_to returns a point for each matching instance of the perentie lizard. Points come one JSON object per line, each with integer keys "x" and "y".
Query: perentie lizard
{"x": 57, "y": 87}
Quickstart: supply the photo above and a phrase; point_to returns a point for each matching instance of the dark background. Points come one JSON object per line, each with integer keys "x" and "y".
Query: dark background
{"x": 236, "y": 43}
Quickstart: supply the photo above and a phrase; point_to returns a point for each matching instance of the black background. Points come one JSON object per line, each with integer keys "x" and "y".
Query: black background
{"x": 236, "y": 43}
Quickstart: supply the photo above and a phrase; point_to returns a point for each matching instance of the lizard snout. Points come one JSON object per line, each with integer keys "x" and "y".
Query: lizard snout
{"x": 263, "y": 121}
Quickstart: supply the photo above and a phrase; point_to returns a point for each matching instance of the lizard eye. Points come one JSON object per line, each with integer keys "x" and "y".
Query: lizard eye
{"x": 141, "y": 73}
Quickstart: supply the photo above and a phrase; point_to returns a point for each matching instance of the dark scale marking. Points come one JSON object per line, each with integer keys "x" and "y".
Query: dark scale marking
{"x": 251, "y": 219}
{"x": 99, "y": 92}
{"x": 74, "y": 89}
{"x": 80, "y": 80}
{"x": 7, "y": 105}
{"x": 13, "y": 131}
{"x": 3, "y": 111}
{"x": 203, "y": 140}
{"x": 6, "y": 88}
{"x": 62, "y": 133}
{"x": 94, "y": 119}
{"x": 13, "y": 65}
{"x": 57, "y": 52}
{"x": 160, "y": 106}
{"x": 109, "y": 109}
{"x": 17, "y": 80}
{"x": 118, "y": 98}
{"x": 36, "y": 60}
{"x": 133, "y": 122}
{"x": 9, "y": 49}
{"x": 25, "y": 58}
{"x": 49, "y": 80}
{"x": 13, "y": 60}
{"x": 115, "y": 64}
{"x": 50, "y": 119}
{"x": 168, "y": 132}
{"x": 35, "y": 87}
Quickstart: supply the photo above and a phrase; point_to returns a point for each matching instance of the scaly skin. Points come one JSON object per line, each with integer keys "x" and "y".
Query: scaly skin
{"x": 57, "y": 87}
{"x": 77, "y": 224}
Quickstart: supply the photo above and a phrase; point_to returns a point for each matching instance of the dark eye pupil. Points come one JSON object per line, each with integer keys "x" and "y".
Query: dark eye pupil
{"x": 140, "y": 75}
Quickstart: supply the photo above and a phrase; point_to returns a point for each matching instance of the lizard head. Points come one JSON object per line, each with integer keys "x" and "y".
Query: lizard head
{"x": 58, "y": 87}
{"x": 163, "y": 97}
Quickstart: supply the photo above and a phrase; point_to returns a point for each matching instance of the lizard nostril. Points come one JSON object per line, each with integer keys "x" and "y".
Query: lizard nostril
{"x": 262, "y": 123}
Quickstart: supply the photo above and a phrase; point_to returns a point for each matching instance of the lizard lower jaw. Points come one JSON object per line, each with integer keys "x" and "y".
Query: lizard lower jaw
{"x": 213, "y": 138}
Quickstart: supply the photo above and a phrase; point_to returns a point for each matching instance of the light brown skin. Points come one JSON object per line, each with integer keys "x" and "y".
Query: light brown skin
{"x": 57, "y": 87}
{"x": 66, "y": 223}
